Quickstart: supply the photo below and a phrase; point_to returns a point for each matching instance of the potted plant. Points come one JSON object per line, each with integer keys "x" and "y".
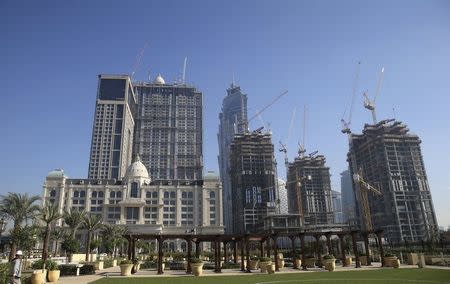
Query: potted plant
{"x": 196, "y": 266}
{"x": 390, "y": 260}
{"x": 125, "y": 267}
{"x": 363, "y": 258}
{"x": 264, "y": 262}
{"x": 280, "y": 260}
{"x": 254, "y": 260}
{"x": 136, "y": 266}
{"x": 53, "y": 271}
{"x": 348, "y": 260}
{"x": 39, "y": 273}
{"x": 310, "y": 261}
{"x": 330, "y": 262}
{"x": 413, "y": 258}
{"x": 297, "y": 260}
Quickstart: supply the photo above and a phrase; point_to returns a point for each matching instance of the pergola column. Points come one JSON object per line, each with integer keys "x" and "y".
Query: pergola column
{"x": 235, "y": 251}
{"x": 380, "y": 246}
{"x": 261, "y": 248}
{"x": 225, "y": 253}
{"x": 197, "y": 249}
{"x": 217, "y": 268}
{"x": 242, "y": 243}
{"x": 268, "y": 246}
{"x": 302, "y": 244}
{"x": 129, "y": 248}
{"x": 318, "y": 249}
{"x": 160, "y": 254}
{"x": 189, "y": 255}
{"x": 366, "y": 246}
{"x": 133, "y": 248}
{"x": 342, "y": 241}
{"x": 330, "y": 249}
{"x": 275, "y": 252}
{"x": 247, "y": 251}
{"x": 355, "y": 250}
{"x": 293, "y": 251}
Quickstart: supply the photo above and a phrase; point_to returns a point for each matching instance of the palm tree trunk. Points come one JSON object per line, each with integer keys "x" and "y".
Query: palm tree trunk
{"x": 46, "y": 241}
{"x": 56, "y": 248}
{"x": 12, "y": 252}
{"x": 88, "y": 246}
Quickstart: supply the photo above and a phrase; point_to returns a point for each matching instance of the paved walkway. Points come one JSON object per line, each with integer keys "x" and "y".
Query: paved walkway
{"x": 115, "y": 272}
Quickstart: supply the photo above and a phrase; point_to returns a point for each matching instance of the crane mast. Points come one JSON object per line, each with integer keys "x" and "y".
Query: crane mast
{"x": 371, "y": 104}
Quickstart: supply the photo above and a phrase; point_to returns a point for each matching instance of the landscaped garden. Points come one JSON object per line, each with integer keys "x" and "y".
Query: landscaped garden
{"x": 383, "y": 276}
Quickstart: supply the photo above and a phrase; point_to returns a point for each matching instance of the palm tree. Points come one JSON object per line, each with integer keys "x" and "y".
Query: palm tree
{"x": 49, "y": 214}
{"x": 113, "y": 234}
{"x": 57, "y": 235}
{"x": 19, "y": 208}
{"x": 73, "y": 219}
{"x": 91, "y": 223}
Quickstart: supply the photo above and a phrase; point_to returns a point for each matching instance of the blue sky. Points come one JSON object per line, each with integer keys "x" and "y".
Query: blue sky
{"x": 52, "y": 51}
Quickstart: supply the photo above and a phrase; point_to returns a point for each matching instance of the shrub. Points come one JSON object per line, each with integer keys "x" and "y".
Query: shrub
{"x": 176, "y": 265}
{"x": 328, "y": 256}
{"x": 87, "y": 269}
{"x": 4, "y": 271}
{"x": 126, "y": 261}
{"x": 231, "y": 265}
{"x": 107, "y": 263}
{"x": 254, "y": 258}
{"x": 265, "y": 259}
{"x": 49, "y": 264}
{"x": 389, "y": 254}
{"x": 149, "y": 264}
{"x": 178, "y": 255}
{"x": 67, "y": 270}
{"x": 196, "y": 260}
{"x": 70, "y": 245}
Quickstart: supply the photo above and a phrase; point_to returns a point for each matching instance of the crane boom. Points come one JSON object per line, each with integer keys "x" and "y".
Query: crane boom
{"x": 346, "y": 123}
{"x": 364, "y": 189}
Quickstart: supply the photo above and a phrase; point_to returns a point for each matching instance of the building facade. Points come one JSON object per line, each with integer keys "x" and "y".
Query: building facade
{"x": 282, "y": 197}
{"x": 169, "y": 130}
{"x": 113, "y": 127}
{"x": 253, "y": 181}
{"x": 232, "y": 120}
{"x": 140, "y": 204}
{"x": 348, "y": 198}
{"x": 390, "y": 159}
{"x": 315, "y": 201}
{"x": 337, "y": 207}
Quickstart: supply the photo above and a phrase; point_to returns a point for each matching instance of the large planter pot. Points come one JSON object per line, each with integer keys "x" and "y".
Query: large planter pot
{"x": 298, "y": 263}
{"x": 310, "y": 262}
{"x": 348, "y": 261}
{"x": 254, "y": 264}
{"x": 280, "y": 263}
{"x": 396, "y": 263}
{"x": 263, "y": 266}
{"x": 389, "y": 261}
{"x": 271, "y": 268}
{"x": 53, "y": 275}
{"x": 330, "y": 264}
{"x": 197, "y": 268}
{"x": 363, "y": 260}
{"x": 38, "y": 277}
{"x": 413, "y": 258}
{"x": 125, "y": 269}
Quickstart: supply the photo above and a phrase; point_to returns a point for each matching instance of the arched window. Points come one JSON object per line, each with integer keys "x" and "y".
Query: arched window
{"x": 76, "y": 194}
{"x": 82, "y": 193}
{"x": 53, "y": 193}
{"x": 94, "y": 194}
{"x": 119, "y": 194}
{"x": 166, "y": 194}
{"x": 148, "y": 194}
{"x": 155, "y": 194}
{"x": 112, "y": 194}
{"x": 134, "y": 190}
{"x": 100, "y": 194}
{"x": 190, "y": 195}
{"x": 173, "y": 194}
{"x": 183, "y": 195}
{"x": 212, "y": 194}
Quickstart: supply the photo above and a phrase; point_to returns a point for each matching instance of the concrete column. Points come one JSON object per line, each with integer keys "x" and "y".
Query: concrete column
{"x": 355, "y": 250}
{"x": 293, "y": 250}
{"x": 302, "y": 243}
{"x": 342, "y": 241}
{"x": 225, "y": 253}
{"x": 160, "y": 255}
{"x": 189, "y": 255}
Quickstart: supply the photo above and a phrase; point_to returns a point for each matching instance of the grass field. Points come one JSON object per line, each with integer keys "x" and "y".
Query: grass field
{"x": 382, "y": 276}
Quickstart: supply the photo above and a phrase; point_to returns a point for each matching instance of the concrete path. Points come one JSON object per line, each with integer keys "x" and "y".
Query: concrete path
{"x": 114, "y": 272}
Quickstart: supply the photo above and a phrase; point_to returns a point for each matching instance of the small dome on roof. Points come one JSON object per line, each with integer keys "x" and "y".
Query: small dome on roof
{"x": 56, "y": 173}
{"x": 211, "y": 175}
{"x": 159, "y": 80}
{"x": 137, "y": 169}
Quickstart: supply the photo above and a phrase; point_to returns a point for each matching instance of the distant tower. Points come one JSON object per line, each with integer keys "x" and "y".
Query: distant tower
{"x": 391, "y": 160}
{"x": 348, "y": 198}
{"x": 112, "y": 131}
{"x": 315, "y": 197}
{"x": 169, "y": 130}
{"x": 233, "y": 119}
{"x": 253, "y": 181}
{"x": 337, "y": 207}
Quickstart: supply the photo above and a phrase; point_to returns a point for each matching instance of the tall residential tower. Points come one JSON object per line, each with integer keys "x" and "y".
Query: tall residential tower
{"x": 233, "y": 120}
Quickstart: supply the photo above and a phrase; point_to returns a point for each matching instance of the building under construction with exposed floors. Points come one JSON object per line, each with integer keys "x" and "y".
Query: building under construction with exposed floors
{"x": 309, "y": 176}
{"x": 389, "y": 158}
{"x": 253, "y": 181}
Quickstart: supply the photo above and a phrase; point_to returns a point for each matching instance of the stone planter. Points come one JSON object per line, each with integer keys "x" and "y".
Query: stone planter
{"x": 413, "y": 258}
{"x": 396, "y": 263}
{"x": 125, "y": 269}
{"x": 348, "y": 261}
{"x": 53, "y": 275}
{"x": 253, "y": 264}
{"x": 310, "y": 262}
{"x": 330, "y": 264}
{"x": 271, "y": 268}
{"x": 38, "y": 277}
{"x": 263, "y": 266}
{"x": 298, "y": 263}
{"x": 280, "y": 263}
{"x": 389, "y": 261}
{"x": 363, "y": 260}
{"x": 197, "y": 268}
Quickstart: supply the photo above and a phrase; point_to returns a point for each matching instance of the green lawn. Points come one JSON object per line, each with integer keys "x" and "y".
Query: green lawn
{"x": 382, "y": 276}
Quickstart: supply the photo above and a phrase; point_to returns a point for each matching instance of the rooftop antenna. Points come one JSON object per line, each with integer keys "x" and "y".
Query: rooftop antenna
{"x": 184, "y": 71}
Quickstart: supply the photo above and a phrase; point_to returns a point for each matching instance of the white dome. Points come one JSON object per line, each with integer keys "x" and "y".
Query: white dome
{"x": 57, "y": 173}
{"x": 159, "y": 80}
{"x": 137, "y": 169}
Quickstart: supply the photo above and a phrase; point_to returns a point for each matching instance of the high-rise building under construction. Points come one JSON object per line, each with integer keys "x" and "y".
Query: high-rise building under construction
{"x": 233, "y": 120}
{"x": 309, "y": 190}
{"x": 389, "y": 158}
{"x": 253, "y": 181}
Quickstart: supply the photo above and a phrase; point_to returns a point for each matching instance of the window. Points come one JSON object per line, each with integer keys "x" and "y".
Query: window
{"x": 53, "y": 193}
{"x": 134, "y": 190}
{"x": 212, "y": 194}
{"x": 132, "y": 213}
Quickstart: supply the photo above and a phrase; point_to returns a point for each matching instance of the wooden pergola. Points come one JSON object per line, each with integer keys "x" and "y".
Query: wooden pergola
{"x": 264, "y": 240}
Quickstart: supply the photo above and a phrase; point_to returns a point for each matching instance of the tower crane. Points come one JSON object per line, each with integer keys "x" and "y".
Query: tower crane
{"x": 246, "y": 124}
{"x": 364, "y": 189}
{"x": 138, "y": 60}
{"x": 284, "y": 146}
{"x": 301, "y": 147}
{"x": 370, "y": 104}
{"x": 346, "y": 123}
